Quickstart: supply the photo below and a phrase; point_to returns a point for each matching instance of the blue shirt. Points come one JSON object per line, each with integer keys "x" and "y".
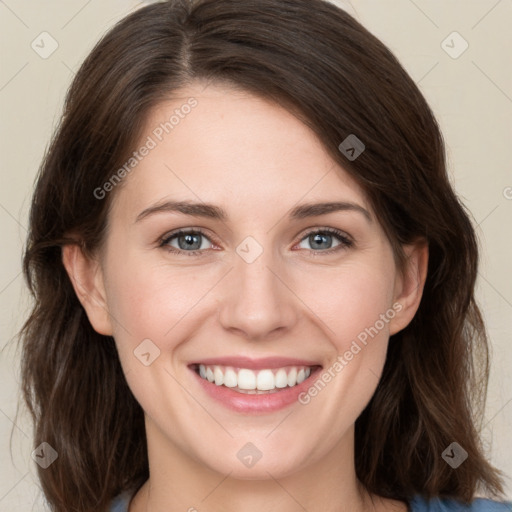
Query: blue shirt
{"x": 417, "y": 504}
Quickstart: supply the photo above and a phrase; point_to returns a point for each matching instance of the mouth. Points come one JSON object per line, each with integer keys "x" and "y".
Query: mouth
{"x": 254, "y": 382}
{"x": 254, "y": 386}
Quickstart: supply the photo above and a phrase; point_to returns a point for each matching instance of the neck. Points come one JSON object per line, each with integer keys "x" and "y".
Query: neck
{"x": 180, "y": 482}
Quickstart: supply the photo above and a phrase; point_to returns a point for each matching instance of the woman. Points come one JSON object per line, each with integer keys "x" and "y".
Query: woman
{"x": 254, "y": 283}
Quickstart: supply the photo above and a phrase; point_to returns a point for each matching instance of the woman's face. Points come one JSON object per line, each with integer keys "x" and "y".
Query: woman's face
{"x": 274, "y": 290}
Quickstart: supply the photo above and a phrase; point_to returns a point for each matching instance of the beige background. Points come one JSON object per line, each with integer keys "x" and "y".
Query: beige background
{"x": 471, "y": 96}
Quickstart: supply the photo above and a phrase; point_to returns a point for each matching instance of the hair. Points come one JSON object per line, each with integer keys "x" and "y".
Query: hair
{"x": 318, "y": 62}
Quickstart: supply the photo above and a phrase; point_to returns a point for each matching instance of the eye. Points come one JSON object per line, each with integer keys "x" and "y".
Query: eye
{"x": 188, "y": 241}
{"x": 323, "y": 239}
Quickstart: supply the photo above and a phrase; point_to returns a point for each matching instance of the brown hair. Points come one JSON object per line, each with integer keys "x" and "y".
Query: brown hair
{"x": 319, "y": 62}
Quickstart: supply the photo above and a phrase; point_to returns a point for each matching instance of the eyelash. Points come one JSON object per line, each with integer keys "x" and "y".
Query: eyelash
{"x": 346, "y": 242}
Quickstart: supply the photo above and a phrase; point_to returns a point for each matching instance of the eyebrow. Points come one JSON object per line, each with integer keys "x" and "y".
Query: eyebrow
{"x": 216, "y": 212}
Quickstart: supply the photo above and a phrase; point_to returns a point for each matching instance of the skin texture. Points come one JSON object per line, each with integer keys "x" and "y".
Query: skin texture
{"x": 257, "y": 161}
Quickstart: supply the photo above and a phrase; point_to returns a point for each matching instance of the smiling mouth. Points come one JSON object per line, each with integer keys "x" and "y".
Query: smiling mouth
{"x": 245, "y": 380}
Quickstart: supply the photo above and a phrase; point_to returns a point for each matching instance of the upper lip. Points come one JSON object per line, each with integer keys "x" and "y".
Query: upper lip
{"x": 255, "y": 364}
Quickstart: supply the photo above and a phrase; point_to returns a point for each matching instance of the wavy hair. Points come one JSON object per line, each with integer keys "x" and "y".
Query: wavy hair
{"x": 322, "y": 65}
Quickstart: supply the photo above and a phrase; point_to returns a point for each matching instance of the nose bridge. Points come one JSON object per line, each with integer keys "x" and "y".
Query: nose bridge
{"x": 257, "y": 301}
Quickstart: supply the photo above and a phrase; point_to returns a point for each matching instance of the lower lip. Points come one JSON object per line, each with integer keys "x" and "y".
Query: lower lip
{"x": 255, "y": 403}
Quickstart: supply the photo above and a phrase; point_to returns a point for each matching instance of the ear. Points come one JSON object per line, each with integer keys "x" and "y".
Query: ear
{"x": 409, "y": 285}
{"x": 87, "y": 279}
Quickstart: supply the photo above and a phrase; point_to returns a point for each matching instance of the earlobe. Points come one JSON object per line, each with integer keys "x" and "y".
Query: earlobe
{"x": 87, "y": 279}
{"x": 409, "y": 284}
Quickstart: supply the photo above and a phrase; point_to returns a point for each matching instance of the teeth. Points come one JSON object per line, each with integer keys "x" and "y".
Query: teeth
{"x": 246, "y": 379}
{"x": 230, "y": 378}
{"x": 219, "y": 376}
{"x": 292, "y": 377}
{"x": 265, "y": 380}
{"x": 281, "y": 379}
{"x": 249, "y": 381}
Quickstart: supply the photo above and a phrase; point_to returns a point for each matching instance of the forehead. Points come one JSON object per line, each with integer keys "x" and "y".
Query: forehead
{"x": 226, "y": 146}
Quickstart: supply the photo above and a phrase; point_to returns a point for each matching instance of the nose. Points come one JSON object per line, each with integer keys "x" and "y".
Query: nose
{"x": 258, "y": 299}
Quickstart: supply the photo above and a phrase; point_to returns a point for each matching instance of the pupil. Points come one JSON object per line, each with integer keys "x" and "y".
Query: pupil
{"x": 189, "y": 241}
{"x": 318, "y": 239}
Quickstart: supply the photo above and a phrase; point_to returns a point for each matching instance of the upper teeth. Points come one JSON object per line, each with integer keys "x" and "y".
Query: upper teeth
{"x": 262, "y": 380}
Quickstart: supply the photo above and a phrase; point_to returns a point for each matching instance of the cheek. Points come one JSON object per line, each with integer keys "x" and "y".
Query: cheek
{"x": 356, "y": 305}
{"x": 357, "y": 309}
{"x": 158, "y": 303}
{"x": 154, "y": 301}
{"x": 351, "y": 299}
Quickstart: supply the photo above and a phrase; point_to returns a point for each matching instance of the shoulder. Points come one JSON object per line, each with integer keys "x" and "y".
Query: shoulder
{"x": 419, "y": 504}
{"x": 120, "y": 503}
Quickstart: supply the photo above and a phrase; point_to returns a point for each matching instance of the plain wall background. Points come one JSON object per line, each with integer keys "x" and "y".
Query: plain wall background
{"x": 471, "y": 96}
